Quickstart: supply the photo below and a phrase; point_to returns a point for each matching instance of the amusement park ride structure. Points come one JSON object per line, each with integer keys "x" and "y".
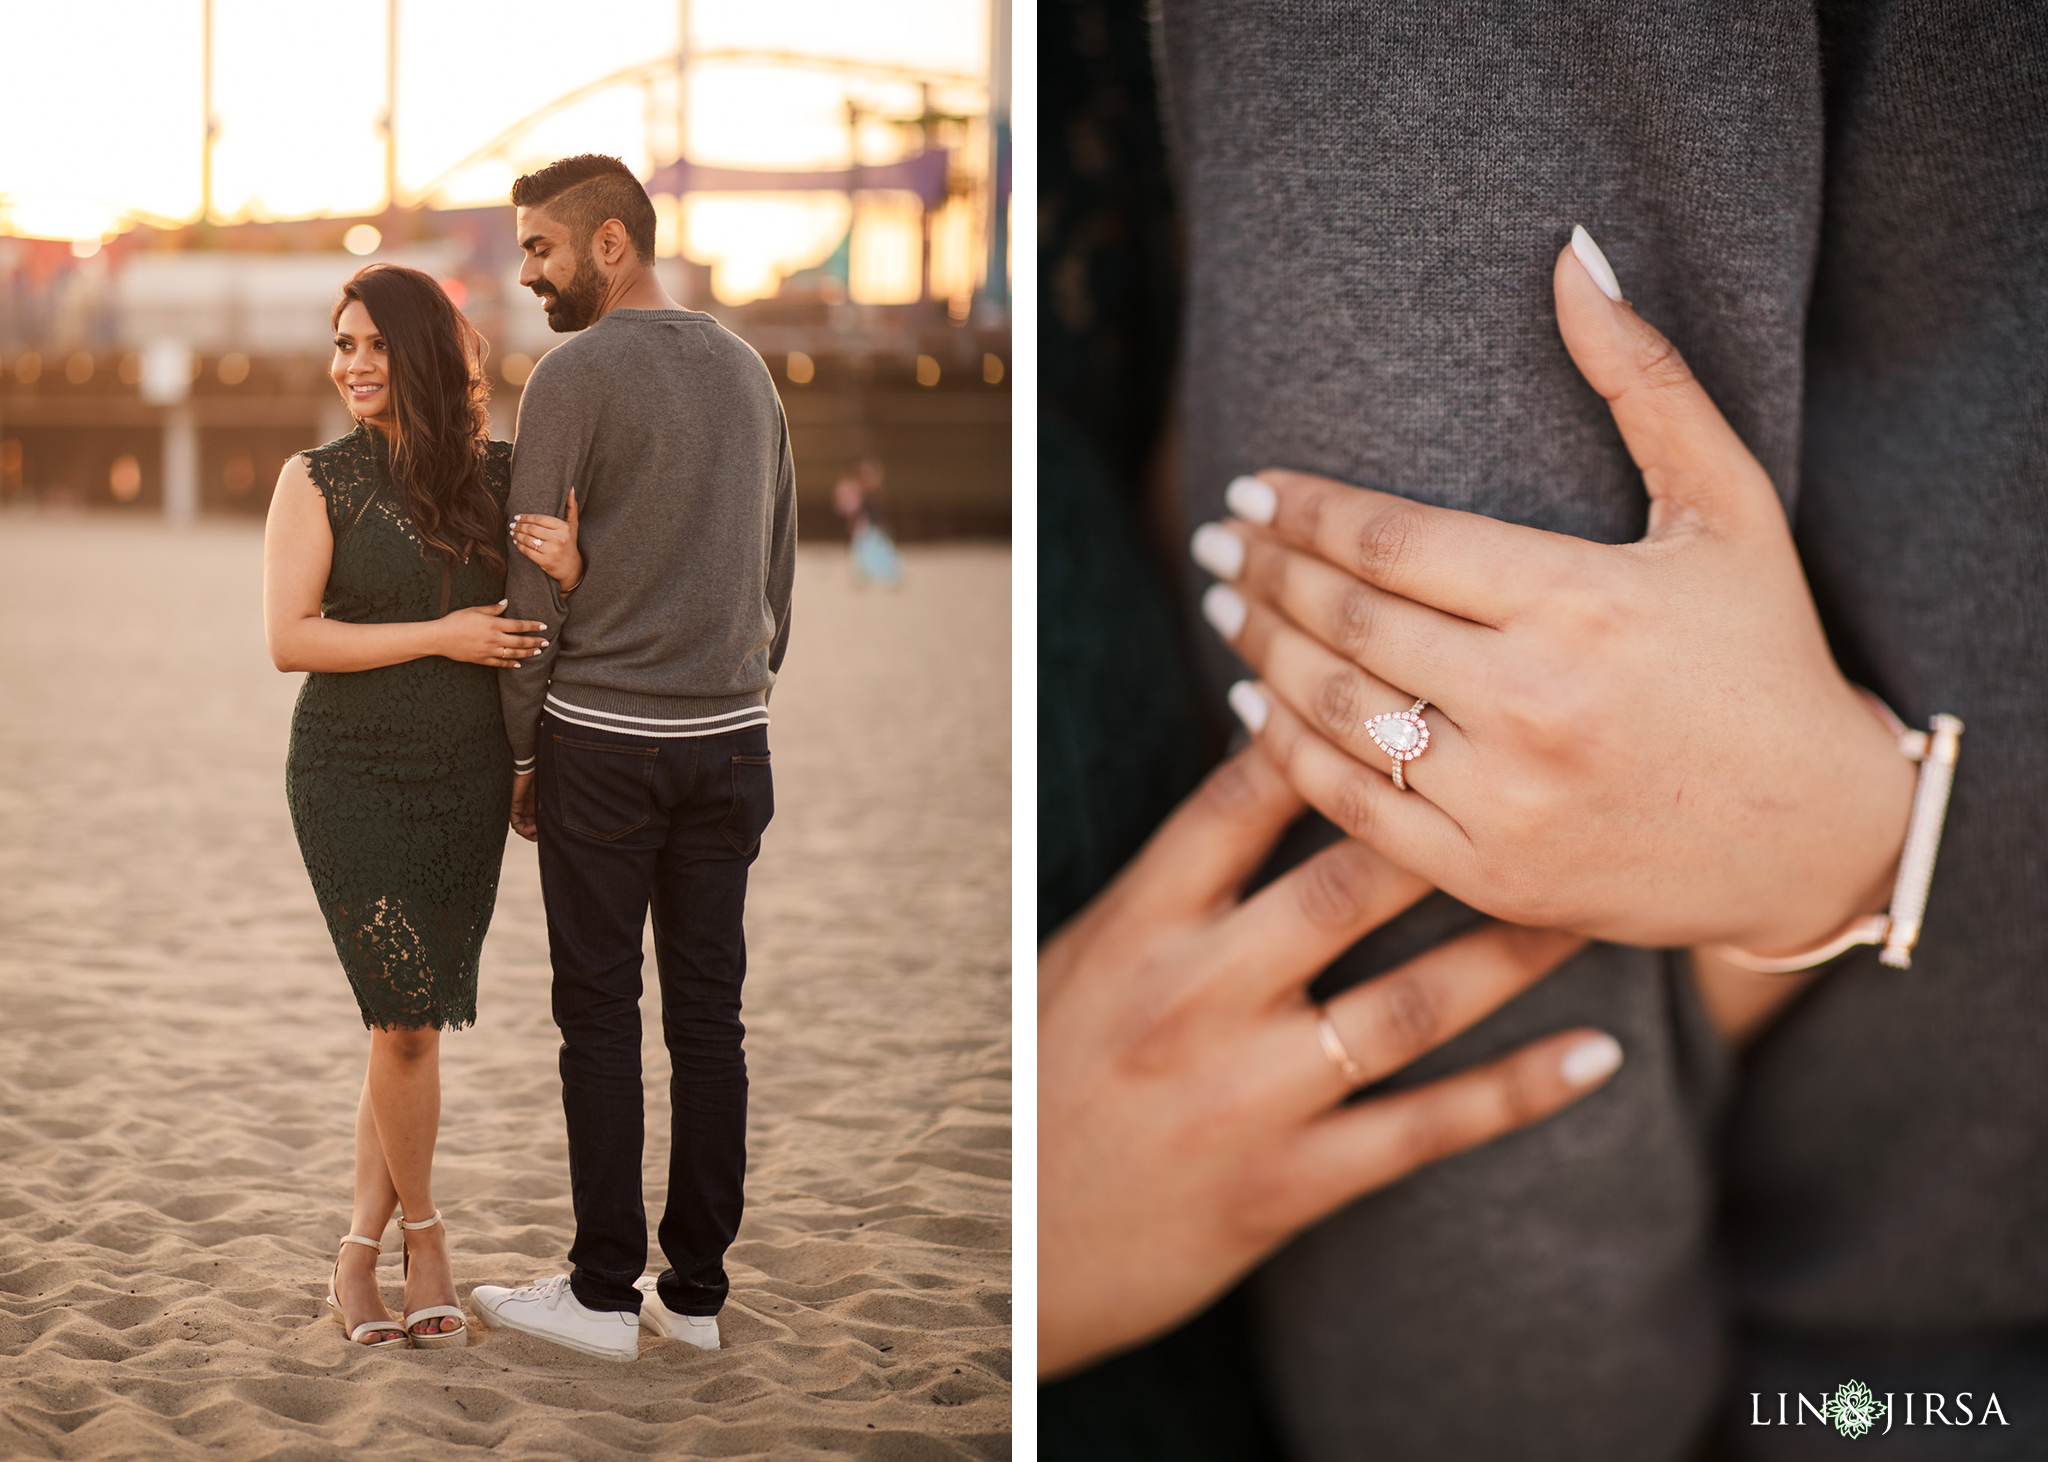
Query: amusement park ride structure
{"x": 175, "y": 369}
{"x": 928, "y": 171}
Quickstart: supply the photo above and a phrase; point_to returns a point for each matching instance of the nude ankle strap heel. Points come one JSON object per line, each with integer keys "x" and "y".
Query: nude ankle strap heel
{"x": 368, "y": 1327}
{"x": 441, "y": 1340}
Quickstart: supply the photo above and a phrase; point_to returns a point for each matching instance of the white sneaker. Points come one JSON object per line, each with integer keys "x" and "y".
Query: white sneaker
{"x": 698, "y": 1330}
{"x": 552, "y": 1312}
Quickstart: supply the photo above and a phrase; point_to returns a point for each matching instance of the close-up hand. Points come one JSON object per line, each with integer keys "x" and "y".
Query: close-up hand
{"x": 1648, "y": 743}
{"x": 551, "y": 543}
{"x": 480, "y": 635}
{"x": 1192, "y": 1110}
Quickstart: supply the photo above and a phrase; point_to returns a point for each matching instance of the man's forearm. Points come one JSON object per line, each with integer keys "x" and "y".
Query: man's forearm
{"x": 523, "y": 690}
{"x": 546, "y": 459}
{"x": 782, "y": 556}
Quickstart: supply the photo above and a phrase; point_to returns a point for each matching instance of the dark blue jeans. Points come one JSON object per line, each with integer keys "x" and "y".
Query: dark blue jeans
{"x": 629, "y": 824}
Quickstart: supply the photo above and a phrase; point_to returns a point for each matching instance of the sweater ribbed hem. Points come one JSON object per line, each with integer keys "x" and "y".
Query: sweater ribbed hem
{"x": 614, "y": 704}
{"x": 659, "y": 718}
{"x": 650, "y": 728}
{"x": 688, "y": 716}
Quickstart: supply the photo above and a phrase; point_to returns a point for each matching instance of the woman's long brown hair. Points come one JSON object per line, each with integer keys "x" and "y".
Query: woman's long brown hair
{"x": 441, "y": 427}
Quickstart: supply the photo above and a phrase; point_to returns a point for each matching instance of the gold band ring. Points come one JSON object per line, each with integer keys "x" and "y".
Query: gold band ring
{"x": 1333, "y": 1047}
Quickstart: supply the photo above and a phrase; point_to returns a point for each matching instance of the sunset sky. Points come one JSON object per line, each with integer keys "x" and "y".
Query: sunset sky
{"x": 110, "y": 94}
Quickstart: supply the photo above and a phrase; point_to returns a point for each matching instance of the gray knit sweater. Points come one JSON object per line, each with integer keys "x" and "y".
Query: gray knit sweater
{"x": 1837, "y": 213}
{"x": 669, "y": 428}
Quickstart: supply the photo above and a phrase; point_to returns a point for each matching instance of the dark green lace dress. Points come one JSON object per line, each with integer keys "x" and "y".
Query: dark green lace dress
{"x": 400, "y": 778}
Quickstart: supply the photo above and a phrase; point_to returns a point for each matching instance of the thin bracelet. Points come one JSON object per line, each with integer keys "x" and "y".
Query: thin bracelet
{"x": 1899, "y": 930}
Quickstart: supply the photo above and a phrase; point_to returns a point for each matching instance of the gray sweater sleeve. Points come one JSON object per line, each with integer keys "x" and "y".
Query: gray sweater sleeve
{"x": 549, "y": 449}
{"x": 782, "y": 551}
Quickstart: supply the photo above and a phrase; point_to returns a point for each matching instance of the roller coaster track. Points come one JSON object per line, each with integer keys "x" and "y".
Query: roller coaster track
{"x": 655, "y": 70}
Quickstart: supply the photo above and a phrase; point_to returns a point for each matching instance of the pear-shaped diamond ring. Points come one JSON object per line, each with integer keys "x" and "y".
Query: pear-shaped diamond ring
{"x": 1402, "y": 735}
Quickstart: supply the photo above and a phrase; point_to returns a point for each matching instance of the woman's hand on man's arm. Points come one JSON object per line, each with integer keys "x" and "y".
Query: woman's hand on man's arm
{"x": 551, "y": 543}
{"x": 298, "y": 553}
{"x": 1190, "y": 1119}
{"x": 1648, "y": 743}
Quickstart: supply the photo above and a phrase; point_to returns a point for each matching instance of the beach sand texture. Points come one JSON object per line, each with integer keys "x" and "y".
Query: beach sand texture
{"x": 180, "y": 1056}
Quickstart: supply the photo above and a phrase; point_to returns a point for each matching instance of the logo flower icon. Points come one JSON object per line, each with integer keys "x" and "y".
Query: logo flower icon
{"x": 1854, "y": 1410}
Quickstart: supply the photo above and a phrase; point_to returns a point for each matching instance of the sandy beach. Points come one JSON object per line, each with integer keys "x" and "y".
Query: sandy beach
{"x": 180, "y": 1055}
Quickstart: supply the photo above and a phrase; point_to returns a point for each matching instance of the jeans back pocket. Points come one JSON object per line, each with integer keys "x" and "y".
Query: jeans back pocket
{"x": 753, "y": 804}
{"x": 603, "y": 791}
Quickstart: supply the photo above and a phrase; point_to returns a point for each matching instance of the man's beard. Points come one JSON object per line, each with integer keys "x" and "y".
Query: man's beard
{"x": 575, "y": 302}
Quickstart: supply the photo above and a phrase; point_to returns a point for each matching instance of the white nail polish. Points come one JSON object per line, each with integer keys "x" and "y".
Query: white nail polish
{"x": 1595, "y": 262}
{"x": 1249, "y": 705}
{"x": 1218, "y": 550}
{"x": 1590, "y": 1060}
{"x": 1252, "y": 500}
{"x": 1224, "y": 609}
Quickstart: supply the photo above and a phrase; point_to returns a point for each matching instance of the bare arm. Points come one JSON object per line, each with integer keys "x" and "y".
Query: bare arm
{"x": 298, "y": 550}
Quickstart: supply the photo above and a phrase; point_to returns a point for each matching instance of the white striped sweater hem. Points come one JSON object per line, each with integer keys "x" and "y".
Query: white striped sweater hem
{"x": 651, "y": 726}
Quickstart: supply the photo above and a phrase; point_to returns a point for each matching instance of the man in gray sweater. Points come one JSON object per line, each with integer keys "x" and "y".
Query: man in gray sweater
{"x": 640, "y": 739}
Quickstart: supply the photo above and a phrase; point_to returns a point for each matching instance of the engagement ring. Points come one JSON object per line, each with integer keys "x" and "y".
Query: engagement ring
{"x": 1402, "y": 735}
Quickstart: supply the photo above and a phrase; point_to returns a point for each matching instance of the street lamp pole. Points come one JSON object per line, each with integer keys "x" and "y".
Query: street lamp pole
{"x": 389, "y": 120}
{"x": 682, "y": 81}
{"x": 206, "y": 111}
{"x": 995, "y": 287}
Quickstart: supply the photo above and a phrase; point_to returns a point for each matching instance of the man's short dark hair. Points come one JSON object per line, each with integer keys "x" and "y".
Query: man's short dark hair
{"x": 584, "y": 191}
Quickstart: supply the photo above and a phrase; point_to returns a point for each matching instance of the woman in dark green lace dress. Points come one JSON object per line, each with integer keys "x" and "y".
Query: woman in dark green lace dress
{"x": 384, "y": 573}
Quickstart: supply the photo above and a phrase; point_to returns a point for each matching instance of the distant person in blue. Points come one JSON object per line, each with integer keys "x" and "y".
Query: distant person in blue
{"x": 857, "y": 498}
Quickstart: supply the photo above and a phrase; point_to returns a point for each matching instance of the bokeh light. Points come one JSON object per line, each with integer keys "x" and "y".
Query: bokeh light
{"x": 238, "y": 472}
{"x": 55, "y": 215}
{"x": 752, "y": 240}
{"x": 888, "y": 250}
{"x": 124, "y": 478}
